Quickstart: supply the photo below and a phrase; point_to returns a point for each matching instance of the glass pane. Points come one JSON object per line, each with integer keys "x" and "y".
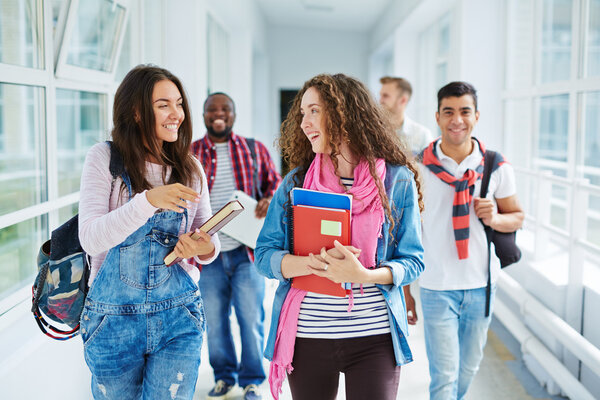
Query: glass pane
{"x": 518, "y": 132}
{"x": 19, "y": 246}
{"x": 555, "y": 63}
{"x": 558, "y": 208}
{"x": 519, "y": 43}
{"x": 65, "y": 213}
{"x": 21, "y": 37}
{"x": 81, "y": 121}
{"x": 95, "y": 32}
{"x": 554, "y": 128}
{"x": 22, "y": 165}
{"x": 593, "y": 39}
{"x": 124, "y": 63}
{"x": 591, "y": 144}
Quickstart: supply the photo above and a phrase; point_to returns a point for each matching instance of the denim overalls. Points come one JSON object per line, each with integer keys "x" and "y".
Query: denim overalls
{"x": 143, "y": 322}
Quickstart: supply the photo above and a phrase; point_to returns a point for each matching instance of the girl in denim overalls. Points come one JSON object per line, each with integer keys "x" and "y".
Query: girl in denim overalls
{"x": 143, "y": 321}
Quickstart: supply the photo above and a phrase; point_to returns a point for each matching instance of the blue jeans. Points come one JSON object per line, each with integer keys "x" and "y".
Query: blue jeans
{"x": 143, "y": 322}
{"x": 230, "y": 280}
{"x": 455, "y": 335}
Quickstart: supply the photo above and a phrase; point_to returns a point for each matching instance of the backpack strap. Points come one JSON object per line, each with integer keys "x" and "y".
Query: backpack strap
{"x": 256, "y": 192}
{"x": 116, "y": 166}
{"x": 488, "y": 167}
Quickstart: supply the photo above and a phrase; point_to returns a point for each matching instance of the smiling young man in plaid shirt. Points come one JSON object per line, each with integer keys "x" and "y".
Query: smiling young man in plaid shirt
{"x": 232, "y": 162}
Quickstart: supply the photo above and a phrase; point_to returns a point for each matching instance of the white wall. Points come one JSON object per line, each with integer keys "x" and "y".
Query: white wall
{"x": 246, "y": 25}
{"x": 184, "y": 50}
{"x": 297, "y": 55}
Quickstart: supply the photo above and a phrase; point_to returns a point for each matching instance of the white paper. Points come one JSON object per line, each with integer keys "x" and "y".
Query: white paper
{"x": 246, "y": 227}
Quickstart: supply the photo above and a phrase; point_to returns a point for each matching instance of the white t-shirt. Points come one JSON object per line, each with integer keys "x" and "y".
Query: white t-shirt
{"x": 414, "y": 135}
{"x": 222, "y": 189}
{"x": 443, "y": 269}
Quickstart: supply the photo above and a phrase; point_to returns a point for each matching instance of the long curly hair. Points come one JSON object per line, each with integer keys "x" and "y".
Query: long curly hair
{"x": 135, "y": 137}
{"x": 350, "y": 115}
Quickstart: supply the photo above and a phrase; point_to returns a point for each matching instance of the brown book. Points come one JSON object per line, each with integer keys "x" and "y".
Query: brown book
{"x": 221, "y": 218}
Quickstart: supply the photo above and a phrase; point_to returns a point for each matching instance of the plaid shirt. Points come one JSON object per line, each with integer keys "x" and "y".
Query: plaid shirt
{"x": 241, "y": 163}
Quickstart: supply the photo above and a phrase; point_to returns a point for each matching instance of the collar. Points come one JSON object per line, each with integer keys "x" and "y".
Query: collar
{"x": 232, "y": 137}
{"x": 472, "y": 161}
{"x": 405, "y": 124}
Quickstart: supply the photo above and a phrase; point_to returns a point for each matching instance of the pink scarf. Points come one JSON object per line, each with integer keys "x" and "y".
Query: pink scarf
{"x": 367, "y": 220}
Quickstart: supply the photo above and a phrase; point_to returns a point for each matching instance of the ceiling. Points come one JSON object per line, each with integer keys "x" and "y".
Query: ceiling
{"x": 346, "y": 15}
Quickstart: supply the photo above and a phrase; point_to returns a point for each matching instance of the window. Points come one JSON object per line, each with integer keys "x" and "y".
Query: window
{"x": 41, "y": 160}
{"x": 22, "y": 164}
{"x": 92, "y": 39}
{"x": 555, "y": 60}
{"x": 18, "y": 245}
{"x": 591, "y": 138}
{"x": 593, "y": 39}
{"x": 551, "y": 112}
{"x": 20, "y": 33}
{"x": 82, "y": 119}
{"x": 553, "y": 141}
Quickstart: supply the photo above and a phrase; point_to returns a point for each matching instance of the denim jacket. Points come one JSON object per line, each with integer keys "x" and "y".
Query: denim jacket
{"x": 402, "y": 253}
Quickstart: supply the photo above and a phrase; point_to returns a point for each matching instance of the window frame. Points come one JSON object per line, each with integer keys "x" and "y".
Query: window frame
{"x": 50, "y": 82}
{"x": 580, "y": 255}
{"x": 68, "y": 71}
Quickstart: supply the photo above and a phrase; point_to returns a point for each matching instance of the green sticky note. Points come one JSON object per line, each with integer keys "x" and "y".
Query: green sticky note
{"x": 331, "y": 228}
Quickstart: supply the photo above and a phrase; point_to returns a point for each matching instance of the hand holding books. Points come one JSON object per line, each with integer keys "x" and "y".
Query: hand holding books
{"x": 338, "y": 264}
{"x": 194, "y": 243}
{"x": 228, "y": 212}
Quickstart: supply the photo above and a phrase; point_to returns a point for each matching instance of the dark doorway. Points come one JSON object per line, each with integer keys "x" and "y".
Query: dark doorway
{"x": 286, "y": 99}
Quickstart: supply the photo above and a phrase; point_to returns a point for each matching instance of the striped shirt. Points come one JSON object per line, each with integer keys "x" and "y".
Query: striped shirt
{"x": 222, "y": 189}
{"x": 327, "y": 317}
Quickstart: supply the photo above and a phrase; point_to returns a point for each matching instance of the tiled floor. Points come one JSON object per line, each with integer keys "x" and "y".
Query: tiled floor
{"x": 494, "y": 381}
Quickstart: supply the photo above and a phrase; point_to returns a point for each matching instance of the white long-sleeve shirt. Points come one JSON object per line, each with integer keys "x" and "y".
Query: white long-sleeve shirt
{"x": 106, "y": 219}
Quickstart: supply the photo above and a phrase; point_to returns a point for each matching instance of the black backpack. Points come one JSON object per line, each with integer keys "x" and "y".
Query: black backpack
{"x": 505, "y": 244}
{"x": 61, "y": 285}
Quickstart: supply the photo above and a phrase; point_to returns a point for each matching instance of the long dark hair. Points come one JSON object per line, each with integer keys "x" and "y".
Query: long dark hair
{"x": 134, "y": 130}
{"x": 351, "y": 115}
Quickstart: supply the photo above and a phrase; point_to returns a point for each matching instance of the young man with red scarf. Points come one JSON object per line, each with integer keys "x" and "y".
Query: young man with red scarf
{"x": 453, "y": 285}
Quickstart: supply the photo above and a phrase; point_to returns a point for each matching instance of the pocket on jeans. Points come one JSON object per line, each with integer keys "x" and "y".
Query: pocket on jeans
{"x": 133, "y": 264}
{"x": 92, "y": 324}
{"x": 195, "y": 312}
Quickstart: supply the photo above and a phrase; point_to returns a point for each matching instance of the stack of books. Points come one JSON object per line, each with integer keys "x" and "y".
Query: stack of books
{"x": 317, "y": 220}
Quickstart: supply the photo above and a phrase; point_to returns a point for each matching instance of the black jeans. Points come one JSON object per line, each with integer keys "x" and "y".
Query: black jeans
{"x": 368, "y": 364}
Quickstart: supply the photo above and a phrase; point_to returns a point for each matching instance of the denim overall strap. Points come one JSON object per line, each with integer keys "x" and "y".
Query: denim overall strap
{"x": 134, "y": 279}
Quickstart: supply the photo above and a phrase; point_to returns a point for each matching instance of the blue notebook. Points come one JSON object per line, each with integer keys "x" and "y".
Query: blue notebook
{"x": 307, "y": 197}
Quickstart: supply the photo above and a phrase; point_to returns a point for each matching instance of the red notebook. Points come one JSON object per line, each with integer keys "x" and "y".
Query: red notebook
{"x": 314, "y": 228}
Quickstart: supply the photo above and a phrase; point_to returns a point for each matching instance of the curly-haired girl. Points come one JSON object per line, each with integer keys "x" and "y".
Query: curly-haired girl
{"x": 337, "y": 139}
